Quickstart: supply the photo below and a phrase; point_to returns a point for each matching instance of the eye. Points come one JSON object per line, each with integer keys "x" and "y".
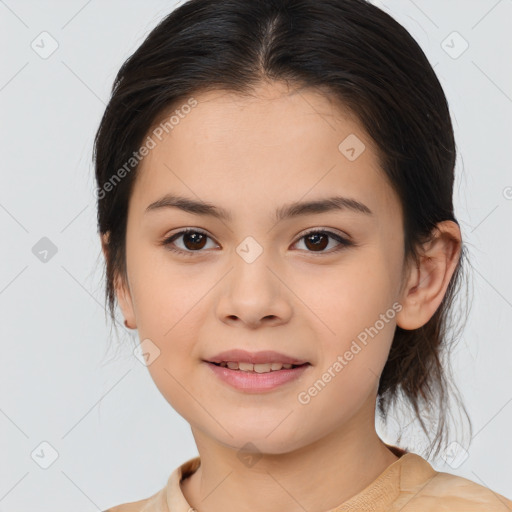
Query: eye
{"x": 193, "y": 239}
{"x": 317, "y": 239}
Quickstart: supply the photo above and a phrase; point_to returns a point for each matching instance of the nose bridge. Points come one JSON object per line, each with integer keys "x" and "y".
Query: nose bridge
{"x": 252, "y": 291}
{"x": 251, "y": 270}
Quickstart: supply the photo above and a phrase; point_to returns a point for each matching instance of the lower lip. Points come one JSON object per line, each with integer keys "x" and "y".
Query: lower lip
{"x": 257, "y": 382}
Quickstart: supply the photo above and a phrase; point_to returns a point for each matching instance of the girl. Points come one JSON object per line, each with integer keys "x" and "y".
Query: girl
{"x": 275, "y": 208}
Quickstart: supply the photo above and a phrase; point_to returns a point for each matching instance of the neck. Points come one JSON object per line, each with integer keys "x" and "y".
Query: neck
{"x": 319, "y": 476}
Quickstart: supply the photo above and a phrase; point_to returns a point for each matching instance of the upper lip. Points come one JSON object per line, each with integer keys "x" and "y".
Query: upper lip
{"x": 265, "y": 356}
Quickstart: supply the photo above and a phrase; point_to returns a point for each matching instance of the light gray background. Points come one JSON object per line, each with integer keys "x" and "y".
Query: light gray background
{"x": 116, "y": 438}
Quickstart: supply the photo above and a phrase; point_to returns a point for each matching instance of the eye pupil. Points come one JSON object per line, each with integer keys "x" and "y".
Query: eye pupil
{"x": 313, "y": 237}
{"x": 195, "y": 238}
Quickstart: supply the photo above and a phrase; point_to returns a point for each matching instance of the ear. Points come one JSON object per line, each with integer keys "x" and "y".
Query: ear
{"x": 122, "y": 289}
{"x": 427, "y": 281}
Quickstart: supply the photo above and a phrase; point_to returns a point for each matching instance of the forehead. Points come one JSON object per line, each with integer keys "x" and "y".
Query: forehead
{"x": 256, "y": 152}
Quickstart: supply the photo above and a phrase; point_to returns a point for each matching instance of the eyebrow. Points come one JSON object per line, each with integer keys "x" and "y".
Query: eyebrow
{"x": 334, "y": 203}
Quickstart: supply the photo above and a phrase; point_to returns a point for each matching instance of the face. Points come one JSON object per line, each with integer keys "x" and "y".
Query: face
{"x": 256, "y": 281}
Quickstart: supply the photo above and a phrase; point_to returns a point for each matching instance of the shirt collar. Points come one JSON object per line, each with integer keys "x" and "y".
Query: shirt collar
{"x": 405, "y": 474}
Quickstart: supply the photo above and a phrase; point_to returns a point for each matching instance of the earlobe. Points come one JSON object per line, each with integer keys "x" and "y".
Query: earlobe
{"x": 121, "y": 289}
{"x": 429, "y": 279}
{"x": 125, "y": 302}
{"x": 104, "y": 244}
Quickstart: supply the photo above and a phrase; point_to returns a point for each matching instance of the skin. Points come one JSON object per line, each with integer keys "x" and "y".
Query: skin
{"x": 251, "y": 155}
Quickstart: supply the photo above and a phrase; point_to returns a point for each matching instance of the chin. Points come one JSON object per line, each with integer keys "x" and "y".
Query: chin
{"x": 258, "y": 441}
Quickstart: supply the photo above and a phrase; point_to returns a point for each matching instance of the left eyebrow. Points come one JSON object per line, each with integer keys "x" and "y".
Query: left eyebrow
{"x": 334, "y": 203}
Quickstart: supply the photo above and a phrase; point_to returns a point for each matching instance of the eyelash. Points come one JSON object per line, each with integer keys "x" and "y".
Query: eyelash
{"x": 168, "y": 242}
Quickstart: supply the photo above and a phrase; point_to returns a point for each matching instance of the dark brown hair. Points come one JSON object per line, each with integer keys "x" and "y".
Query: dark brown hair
{"x": 349, "y": 50}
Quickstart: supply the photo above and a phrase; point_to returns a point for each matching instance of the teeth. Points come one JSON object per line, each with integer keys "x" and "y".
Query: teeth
{"x": 262, "y": 367}
{"x": 258, "y": 368}
{"x": 248, "y": 367}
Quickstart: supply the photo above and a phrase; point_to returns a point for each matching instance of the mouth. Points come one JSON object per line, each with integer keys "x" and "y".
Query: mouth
{"x": 257, "y": 377}
{"x": 257, "y": 368}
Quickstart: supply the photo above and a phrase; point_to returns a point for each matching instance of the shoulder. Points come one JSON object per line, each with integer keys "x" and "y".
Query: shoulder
{"x": 471, "y": 495}
{"x": 170, "y": 496}
{"x": 448, "y": 492}
{"x": 133, "y": 506}
{"x": 154, "y": 503}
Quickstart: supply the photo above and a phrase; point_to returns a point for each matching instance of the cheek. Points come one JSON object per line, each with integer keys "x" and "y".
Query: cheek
{"x": 350, "y": 295}
{"x": 169, "y": 310}
{"x": 353, "y": 311}
{"x": 169, "y": 301}
{"x": 164, "y": 293}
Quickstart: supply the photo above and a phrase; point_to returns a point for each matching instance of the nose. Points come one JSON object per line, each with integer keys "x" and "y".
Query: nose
{"x": 254, "y": 294}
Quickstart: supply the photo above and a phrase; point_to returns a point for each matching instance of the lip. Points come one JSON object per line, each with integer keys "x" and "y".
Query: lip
{"x": 252, "y": 382}
{"x": 264, "y": 356}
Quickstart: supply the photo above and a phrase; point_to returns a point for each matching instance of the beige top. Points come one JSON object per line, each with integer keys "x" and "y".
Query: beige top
{"x": 409, "y": 484}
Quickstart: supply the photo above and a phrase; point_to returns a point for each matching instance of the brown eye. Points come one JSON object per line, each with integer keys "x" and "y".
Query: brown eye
{"x": 193, "y": 241}
{"x": 318, "y": 240}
